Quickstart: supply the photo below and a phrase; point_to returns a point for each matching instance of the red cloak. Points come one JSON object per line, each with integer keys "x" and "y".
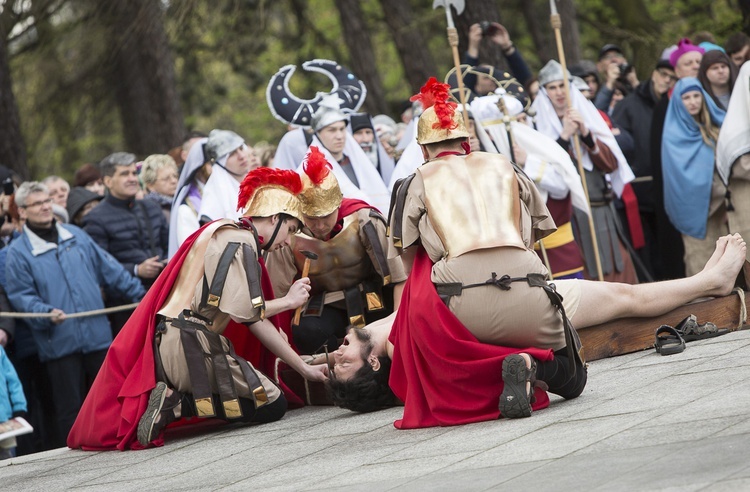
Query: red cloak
{"x": 118, "y": 398}
{"x": 442, "y": 373}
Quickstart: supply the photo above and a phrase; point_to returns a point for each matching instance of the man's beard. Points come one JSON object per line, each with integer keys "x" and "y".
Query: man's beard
{"x": 371, "y": 151}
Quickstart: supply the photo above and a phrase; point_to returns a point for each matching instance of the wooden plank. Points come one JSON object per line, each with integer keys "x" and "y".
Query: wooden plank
{"x": 627, "y": 335}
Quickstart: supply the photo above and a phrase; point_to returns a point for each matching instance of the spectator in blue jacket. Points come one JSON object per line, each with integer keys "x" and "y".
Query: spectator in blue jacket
{"x": 56, "y": 268}
{"x": 12, "y": 401}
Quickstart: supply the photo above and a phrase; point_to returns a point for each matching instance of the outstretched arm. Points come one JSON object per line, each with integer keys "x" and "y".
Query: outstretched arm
{"x": 270, "y": 337}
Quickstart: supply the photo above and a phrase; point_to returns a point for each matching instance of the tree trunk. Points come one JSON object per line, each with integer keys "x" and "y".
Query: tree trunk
{"x": 570, "y": 37}
{"x": 537, "y": 21}
{"x": 411, "y": 46}
{"x": 12, "y": 148}
{"x": 745, "y": 9}
{"x": 634, "y": 17}
{"x": 142, "y": 76}
{"x": 361, "y": 54}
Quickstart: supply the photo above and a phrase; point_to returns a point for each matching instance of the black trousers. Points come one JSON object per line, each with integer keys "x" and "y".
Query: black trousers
{"x": 41, "y": 409}
{"x": 71, "y": 377}
{"x": 556, "y": 373}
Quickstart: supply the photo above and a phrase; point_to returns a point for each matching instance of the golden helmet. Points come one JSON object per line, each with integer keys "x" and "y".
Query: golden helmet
{"x": 440, "y": 120}
{"x": 321, "y": 194}
{"x": 266, "y": 191}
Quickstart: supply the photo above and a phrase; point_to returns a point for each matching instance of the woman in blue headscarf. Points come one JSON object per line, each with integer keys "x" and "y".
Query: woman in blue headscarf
{"x": 695, "y": 197}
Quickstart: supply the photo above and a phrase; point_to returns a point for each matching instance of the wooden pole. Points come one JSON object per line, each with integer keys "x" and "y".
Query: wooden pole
{"x": 298, "y": 311}
{"x": 546, "y": 258}
{"x": 453, "y": 41}
{"x": 556, "y": 25}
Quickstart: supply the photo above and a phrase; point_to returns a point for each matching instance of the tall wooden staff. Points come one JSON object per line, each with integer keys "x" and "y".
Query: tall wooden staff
{"x": 507, "y": 118}
{"x": 453, "y": 42}
{"x": 556, "y": 25}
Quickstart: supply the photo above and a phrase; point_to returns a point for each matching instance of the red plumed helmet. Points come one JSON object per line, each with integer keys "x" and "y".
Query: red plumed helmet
{"x": 439, "y": 121}
{"x": 316, "y": 165}
{"x": 267, "y": 191}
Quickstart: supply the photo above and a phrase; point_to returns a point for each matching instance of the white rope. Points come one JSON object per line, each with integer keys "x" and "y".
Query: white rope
{"x": 84, "y": 314}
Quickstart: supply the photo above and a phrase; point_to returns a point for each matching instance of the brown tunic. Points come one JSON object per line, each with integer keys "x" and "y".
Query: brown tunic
{"x": 520, "y": 317}
{"x": 234, "y": 303}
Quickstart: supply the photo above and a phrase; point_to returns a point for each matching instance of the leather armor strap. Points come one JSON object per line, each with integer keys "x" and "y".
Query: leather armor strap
{"x": 220, "y": 276}
{"x": 377, "y": 249}
{"x": 315, "y": 305}
{"x": 253, "y": 274}
{"x": 253, "y": 381}
{"x": 373, "y": 292}
{"x": 354, "y": 307}
{"x": 396, "y": 215}
{"x": 161, "y": 327}
{"x": 195, "y": 358}
{"x": 223, "y": 375}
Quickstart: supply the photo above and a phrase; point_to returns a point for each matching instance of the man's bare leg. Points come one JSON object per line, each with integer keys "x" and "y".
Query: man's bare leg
{"x": 607, "y": 301}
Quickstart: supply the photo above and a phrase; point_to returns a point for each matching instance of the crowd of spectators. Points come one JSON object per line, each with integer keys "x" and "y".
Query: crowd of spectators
{"x": 666, "y": 159}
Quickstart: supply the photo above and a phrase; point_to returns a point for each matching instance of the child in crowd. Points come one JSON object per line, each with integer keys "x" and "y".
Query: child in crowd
{"x": 12, "y": 402}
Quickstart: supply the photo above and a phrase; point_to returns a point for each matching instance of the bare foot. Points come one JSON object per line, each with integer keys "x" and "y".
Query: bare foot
{"x": 721, "y": 245}
{"x": 723, "y": 274}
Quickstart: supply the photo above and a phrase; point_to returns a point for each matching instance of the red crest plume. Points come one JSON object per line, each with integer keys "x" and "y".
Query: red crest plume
{"x": 437, "y": 94}
{"x": 316, "y": 165}
{"x": 267, "y": 176}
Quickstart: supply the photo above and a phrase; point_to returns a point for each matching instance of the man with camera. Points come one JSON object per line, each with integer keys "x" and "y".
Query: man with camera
{"x": 614, "y": 67}
{"x": 495, "y": 32}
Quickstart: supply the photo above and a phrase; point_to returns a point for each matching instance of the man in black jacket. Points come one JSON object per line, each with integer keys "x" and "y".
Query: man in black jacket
{"x": 633, "y": 115}
{"x": 134, "y": 231}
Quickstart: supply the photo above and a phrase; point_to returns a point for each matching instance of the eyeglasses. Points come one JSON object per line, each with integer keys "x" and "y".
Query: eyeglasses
{"x": 48, "y": 201}
{"x": 672, "y": 77}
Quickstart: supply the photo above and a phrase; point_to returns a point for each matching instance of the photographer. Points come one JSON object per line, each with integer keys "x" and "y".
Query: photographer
{"x": 496, "y": 33}
{"x": 615, "y": 68}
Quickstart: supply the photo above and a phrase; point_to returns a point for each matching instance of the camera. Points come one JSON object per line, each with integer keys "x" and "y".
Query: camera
{"x": 625, "y": 68}
{"x": 8, "y": 188}
{"x": 487, "y": 28}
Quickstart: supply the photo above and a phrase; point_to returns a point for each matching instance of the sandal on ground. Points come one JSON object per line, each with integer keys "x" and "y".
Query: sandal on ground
{"x": 159, "y": 413}
{"x": 515, "y": 402}
{"x": 690, "y": 330}
{"x": 668, "y": 341}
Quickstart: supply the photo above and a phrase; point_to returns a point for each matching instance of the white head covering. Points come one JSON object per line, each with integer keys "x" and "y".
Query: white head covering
{"x": 411, "y": 158}
{"x": 550, "y": 125}
{"x": 734, "y": 136}
{"x": 385, "y": 161}
{"x": 194, "y": 161}
{"x": 291, "y": 149}
{"x": 536, "y": 144}
{"x": 220, "y": 193}
{"x": 371, "y": 187}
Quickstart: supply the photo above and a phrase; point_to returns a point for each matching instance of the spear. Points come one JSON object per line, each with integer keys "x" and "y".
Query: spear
{"x": 507, "y": 118}
{"x": 557, "y": 25}
{"x": 453, "y": 42}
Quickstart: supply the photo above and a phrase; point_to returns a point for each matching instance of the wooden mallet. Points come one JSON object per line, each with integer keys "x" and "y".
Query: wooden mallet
{"x": 309, "y": 255}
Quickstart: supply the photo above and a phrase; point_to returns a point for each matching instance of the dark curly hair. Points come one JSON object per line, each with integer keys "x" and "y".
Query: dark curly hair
{"x": 368, "y": 389}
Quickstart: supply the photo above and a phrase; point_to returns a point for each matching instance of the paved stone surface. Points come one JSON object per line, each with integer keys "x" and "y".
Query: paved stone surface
{"x": 644, "y": 422}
